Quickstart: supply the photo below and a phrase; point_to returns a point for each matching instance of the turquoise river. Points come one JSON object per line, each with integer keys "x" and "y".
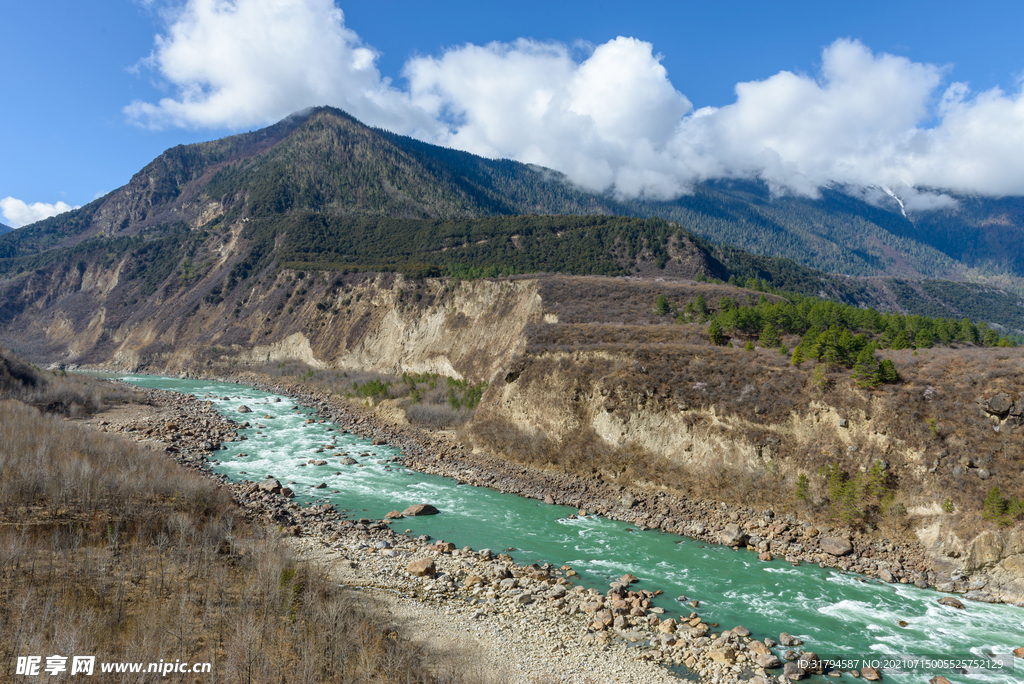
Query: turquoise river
{"x": 836, "y": 614}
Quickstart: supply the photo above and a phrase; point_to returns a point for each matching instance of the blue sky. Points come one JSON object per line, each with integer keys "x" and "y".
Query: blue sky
{"x": 876, "y": 83}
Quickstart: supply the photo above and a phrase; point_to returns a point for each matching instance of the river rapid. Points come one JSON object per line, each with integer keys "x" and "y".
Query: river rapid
{"x": 836, "y": 614}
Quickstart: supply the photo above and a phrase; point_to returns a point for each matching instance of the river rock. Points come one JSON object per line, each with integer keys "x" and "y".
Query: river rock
{"x": 393, "y": 515}
{"x": 951, "y": 602}
{"x": 1019, "y": 652}
{"x": 758, "y": 647}
{"x": 732, "y": 535}
{"x": 787, "y": 640}
{"x": 836, "y": 546}
{"x": 549, "y": 500}
{"x": 811, "y": 663}
{"x": 871, "y": 674}
{"x": 793, "y": 671}
{"x": 667, "y": 626}
{"x": 244, "y": 409}
{"x": 723, "y": 655}
{"x": 420, "y": 509}
{"x": 271, "y": 486}
{"x": 938, "y": 679}
{"x": 768, "y": 661}
{"x": 628, "y": 500}
{"x": 421, "y": 568}
{"x": 348, "y": 460}
{"x": 740, "y": 631}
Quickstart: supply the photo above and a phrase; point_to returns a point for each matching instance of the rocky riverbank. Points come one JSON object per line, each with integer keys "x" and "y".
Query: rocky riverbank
{"x": 587, "y": 631}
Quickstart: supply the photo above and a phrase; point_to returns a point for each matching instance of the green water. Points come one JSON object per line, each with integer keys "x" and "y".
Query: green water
{"x": 836, "y": 614}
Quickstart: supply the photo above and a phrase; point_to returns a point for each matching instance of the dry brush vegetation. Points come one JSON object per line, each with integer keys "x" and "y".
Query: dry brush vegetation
{"x": 110, "y": 549}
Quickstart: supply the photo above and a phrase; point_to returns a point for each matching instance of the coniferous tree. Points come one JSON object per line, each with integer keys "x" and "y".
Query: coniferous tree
{"x": 866, "y": 370}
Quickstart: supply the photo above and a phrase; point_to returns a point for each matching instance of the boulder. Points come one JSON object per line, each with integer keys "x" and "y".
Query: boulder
{"x": 811, "y": 663}
{"x": 836, "y": 546}
{"x": 348, "y": 460}
{"x": 723, "y": 655}
{"x": 732, "y": 535}
{"x": 787, "y": 640}
{"x": 768, "y": 661}
{"x": 420, "y": 509}
{"x": 740, "y": 631}
{"x": 758, "y": 648}
{"x": 951, "y": 602}
{"x": 422, "y": 568}
{"x": 244, "y": 409}
{"x": 667, "y": 626}
{"x": 393, "y": 515}
{"x": 473, "y": 580}
{"x": 287, "y": 493}
{"x": 999, "y": 405}
{"x": 938, "y": 679}
{"x": 628, "y": 500}
{"x": 628, "y": 579}
{"x": 793, "y": 671}
{"x": 271, "y": 486}
{"x": 549, "y": 500}
{"x": 871, "y": 674}
{"x": 1019, "y": 652}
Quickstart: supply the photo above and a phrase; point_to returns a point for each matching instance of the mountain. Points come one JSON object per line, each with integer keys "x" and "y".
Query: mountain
{"x": 5, "y": 229}
{"x": 204, "y": 229}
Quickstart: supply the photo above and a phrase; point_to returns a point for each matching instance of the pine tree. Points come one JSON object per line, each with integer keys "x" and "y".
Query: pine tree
{"x": 797, "y": 358}
{"x": 887, "y": 371}
{"x": 865, "y": 370}
{"x": 661, "y": 306}
{"x": 769, "y": 336}
{"x": 715, "y": 332}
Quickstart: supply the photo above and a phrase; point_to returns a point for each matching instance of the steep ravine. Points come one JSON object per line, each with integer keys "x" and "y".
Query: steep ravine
{"x": 577, "y": 384}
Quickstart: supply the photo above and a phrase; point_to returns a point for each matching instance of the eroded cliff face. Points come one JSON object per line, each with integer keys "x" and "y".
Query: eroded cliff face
{"x": 383, "y": 323}
{"x": 578, "y": 379}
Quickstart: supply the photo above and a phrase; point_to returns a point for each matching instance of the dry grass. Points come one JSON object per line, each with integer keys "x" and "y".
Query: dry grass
{"x": 110, "y": 549}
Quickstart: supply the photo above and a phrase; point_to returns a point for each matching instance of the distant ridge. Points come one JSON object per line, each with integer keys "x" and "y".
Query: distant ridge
{"x": 321, "y": 190}
{"x": 5, "y": 229}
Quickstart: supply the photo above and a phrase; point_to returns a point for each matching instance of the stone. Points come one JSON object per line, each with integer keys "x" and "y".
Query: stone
{"x": 420, "y": 509}
{"x": 836, "y": 546}
{"x": 768, "y": 661}
{"x": 844, "y": 423}
{"x": 1019, "y": 652}
{"x": 628, "y": 500}
{"x": 244, "y": 409}
{"x": 393, "y": 515}
{"x": 322, "y": 485}
{"x": 871, "y": 674}
{"x": 886, "y": 576}
{"x": 723, "y": 655}
{"x": 787, "y": 640}
{"x": 348, "y": 460}
{"x": 758, "y": 648}
{"x": 320, "y": 462}
{"x": 272, "y": 486}
{"x": 524, "y": 599}
{"x": 811, "y": 663}
{"x": 740, "y": 631}
{"x": 732, "y": 535}
{"x": 422, "y": 568}
{"x": 667, "y": 626}
{"x": 287, "y": 493}
{"x": 951, "y": 602}
{"x": 938, "y": 679}
{"x": 628, "y": 579}
{"x": 474, "y": 580}
{"x": 793, "y": 671}
{"x": 999, "y": 405}
{"x": 549, "y": 500}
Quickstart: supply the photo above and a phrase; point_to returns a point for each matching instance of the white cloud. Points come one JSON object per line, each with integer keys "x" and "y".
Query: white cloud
{"x": 612, "y": 120}
{"x": 17, "y": 213}
{"x": 235, "y": 63}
